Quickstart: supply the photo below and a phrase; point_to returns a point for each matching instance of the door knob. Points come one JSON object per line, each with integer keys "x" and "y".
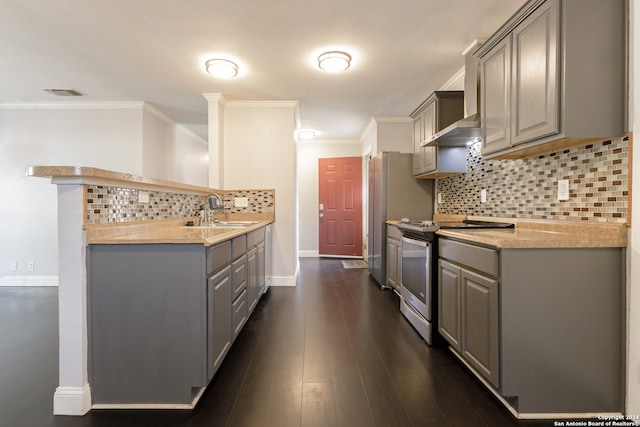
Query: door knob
{"x": 321, "y": 215}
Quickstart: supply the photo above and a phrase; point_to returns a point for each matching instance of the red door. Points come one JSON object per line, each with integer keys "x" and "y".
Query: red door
{"x": 340, "y": 206}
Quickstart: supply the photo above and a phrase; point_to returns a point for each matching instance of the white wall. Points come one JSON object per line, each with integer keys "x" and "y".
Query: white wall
{"x": 391, "y": 133}
{"x": 633, "y": 285}
{"x": 104, "y": 135}
{"x": 308, "y": 153}
{"x": 172, "y": 152}
{"x": 40, "y": 135}
{"x": 259, "y": 152}
{"x": 395, "y": 134}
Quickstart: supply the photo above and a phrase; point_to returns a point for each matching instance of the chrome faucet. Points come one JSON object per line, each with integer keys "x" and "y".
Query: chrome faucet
{"x": 215, "y": 204}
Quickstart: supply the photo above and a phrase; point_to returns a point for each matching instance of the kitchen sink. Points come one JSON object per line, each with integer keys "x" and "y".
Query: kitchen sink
{"x": 226, "y": 224}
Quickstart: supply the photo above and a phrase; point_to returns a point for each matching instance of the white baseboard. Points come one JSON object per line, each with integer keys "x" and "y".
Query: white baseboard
{"x": 283, "y": 281}
{"x": 29, "y": 281}
{"x": 308, "y": 254}
{"x": 151, "y": 405}
{"x": 72, "y": 400}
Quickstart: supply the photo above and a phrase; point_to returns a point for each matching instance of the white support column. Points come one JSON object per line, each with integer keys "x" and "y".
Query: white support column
{"x": 73, "y": 395}
{"x": 216, "y": 139}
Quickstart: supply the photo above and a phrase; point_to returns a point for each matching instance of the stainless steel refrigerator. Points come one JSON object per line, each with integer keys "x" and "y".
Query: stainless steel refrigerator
{"x": 393, "y": 194}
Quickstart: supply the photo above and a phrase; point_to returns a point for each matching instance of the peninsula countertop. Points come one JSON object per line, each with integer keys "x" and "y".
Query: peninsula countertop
{"x": 169, "y": 232}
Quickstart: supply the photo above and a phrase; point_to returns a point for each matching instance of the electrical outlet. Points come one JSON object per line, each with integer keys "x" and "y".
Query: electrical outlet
{"x": 14, "y": 265}
{"x": 483, "y": 196}
{"x": 563, "y": 189}
{"x": 439, "y": 197}
{"x": 143, "y": 197}
{"x": 30, "y": 266}
{"x": 241, "y": 202}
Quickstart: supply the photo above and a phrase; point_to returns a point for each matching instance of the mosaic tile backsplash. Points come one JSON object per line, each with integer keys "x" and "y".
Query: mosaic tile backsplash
{"x": 117, "y": 204}
{"x": 598, "y": 177}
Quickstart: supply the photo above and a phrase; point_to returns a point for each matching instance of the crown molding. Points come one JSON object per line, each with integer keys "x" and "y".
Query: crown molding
{"x": 261, "y": 104}
{"x": 75, "y": 105}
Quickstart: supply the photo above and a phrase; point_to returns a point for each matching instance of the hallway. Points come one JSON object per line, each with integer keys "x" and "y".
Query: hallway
{"x": 334, "y": 351}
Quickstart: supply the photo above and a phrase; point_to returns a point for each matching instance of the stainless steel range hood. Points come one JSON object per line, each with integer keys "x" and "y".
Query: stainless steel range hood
{"x": 465, "y": 131}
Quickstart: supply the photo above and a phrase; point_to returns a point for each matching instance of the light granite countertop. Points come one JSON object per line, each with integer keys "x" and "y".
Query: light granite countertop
{"x": 530, "y": 233}
{"x": 171, "y": 232}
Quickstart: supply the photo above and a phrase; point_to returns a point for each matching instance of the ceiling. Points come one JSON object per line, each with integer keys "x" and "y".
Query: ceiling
{"x": 154, "y": 51}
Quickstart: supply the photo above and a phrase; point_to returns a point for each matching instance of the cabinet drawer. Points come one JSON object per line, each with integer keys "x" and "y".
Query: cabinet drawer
{"x": 218, "y": 256}
{"x": 239, "y": 273}
{"x": 393, "y": 232}
{"x": 476, "y": 257}
{"x": 239, "y": 313}
{"x": 238, "y": 246}
{"x": 254, "y": 237}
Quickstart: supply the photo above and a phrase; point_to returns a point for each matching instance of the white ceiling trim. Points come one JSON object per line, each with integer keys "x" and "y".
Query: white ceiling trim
{"x": 455, "y": 82}
{"x": 393, "y": 119}
{"x": 168, "y": 120}
{"x": 261, "y": 104}
{"x": 73, "y": 105}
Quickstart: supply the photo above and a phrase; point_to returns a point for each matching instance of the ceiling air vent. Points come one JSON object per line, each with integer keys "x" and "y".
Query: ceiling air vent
{"x": 64, "y": 92}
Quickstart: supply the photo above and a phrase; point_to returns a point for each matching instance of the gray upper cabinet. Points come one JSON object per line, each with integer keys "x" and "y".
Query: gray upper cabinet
{"x": 436, "y": 113}
{"x": 554, "y": 77}
{"x": 495, "y": 87}
{"x": 535, "y": 85}
{"x": 418, "y": 137}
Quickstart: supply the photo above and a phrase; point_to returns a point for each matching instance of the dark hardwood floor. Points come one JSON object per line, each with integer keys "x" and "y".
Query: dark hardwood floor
{"x": 334, "y": 351}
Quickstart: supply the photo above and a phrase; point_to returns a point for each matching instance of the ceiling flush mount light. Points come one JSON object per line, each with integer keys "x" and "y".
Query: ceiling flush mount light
{"x": 334, "y": 61}
{"x": 222, "y": 68}
{"x": 306, "y": 134}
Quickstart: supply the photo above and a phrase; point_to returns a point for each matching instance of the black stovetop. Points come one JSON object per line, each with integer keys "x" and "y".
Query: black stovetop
{"x": 427, "y": 229}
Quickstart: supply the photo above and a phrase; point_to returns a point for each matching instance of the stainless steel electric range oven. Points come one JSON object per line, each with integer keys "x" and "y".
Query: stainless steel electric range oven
{"x": 418, "y": 296}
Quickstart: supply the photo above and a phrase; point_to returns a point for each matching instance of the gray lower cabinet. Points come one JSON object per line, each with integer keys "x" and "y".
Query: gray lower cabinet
{"x": 219, "y": 318}
{"x": 449, "y": 322}
{"x": 252, "y": 279}
{"x": 239, "y": 283}
{"x": 394, "y": 257}
{"x": 542, "y": 327}
{"x": 255, "y": 267}
{"x": 479, "y": 345}
{"x": 468, "y": 310}
{"x": 148, "y": 319}
{"x": 162, "y": 317}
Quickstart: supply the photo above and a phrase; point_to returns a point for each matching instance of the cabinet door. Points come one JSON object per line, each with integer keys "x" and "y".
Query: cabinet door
{"x": 480, "y": 346}
{"x": 495, "y": 93}
{"x": 252, "y": 280}
{"x": 535, "y": 88}
{"x": 392, "y": 263}
{"x": 429, "y": 154}
{"x": 449, "y": 303}
{"x": 418, "y": 130}
{"x": 260, "y": 274}
{"x": 218, "y": 318}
